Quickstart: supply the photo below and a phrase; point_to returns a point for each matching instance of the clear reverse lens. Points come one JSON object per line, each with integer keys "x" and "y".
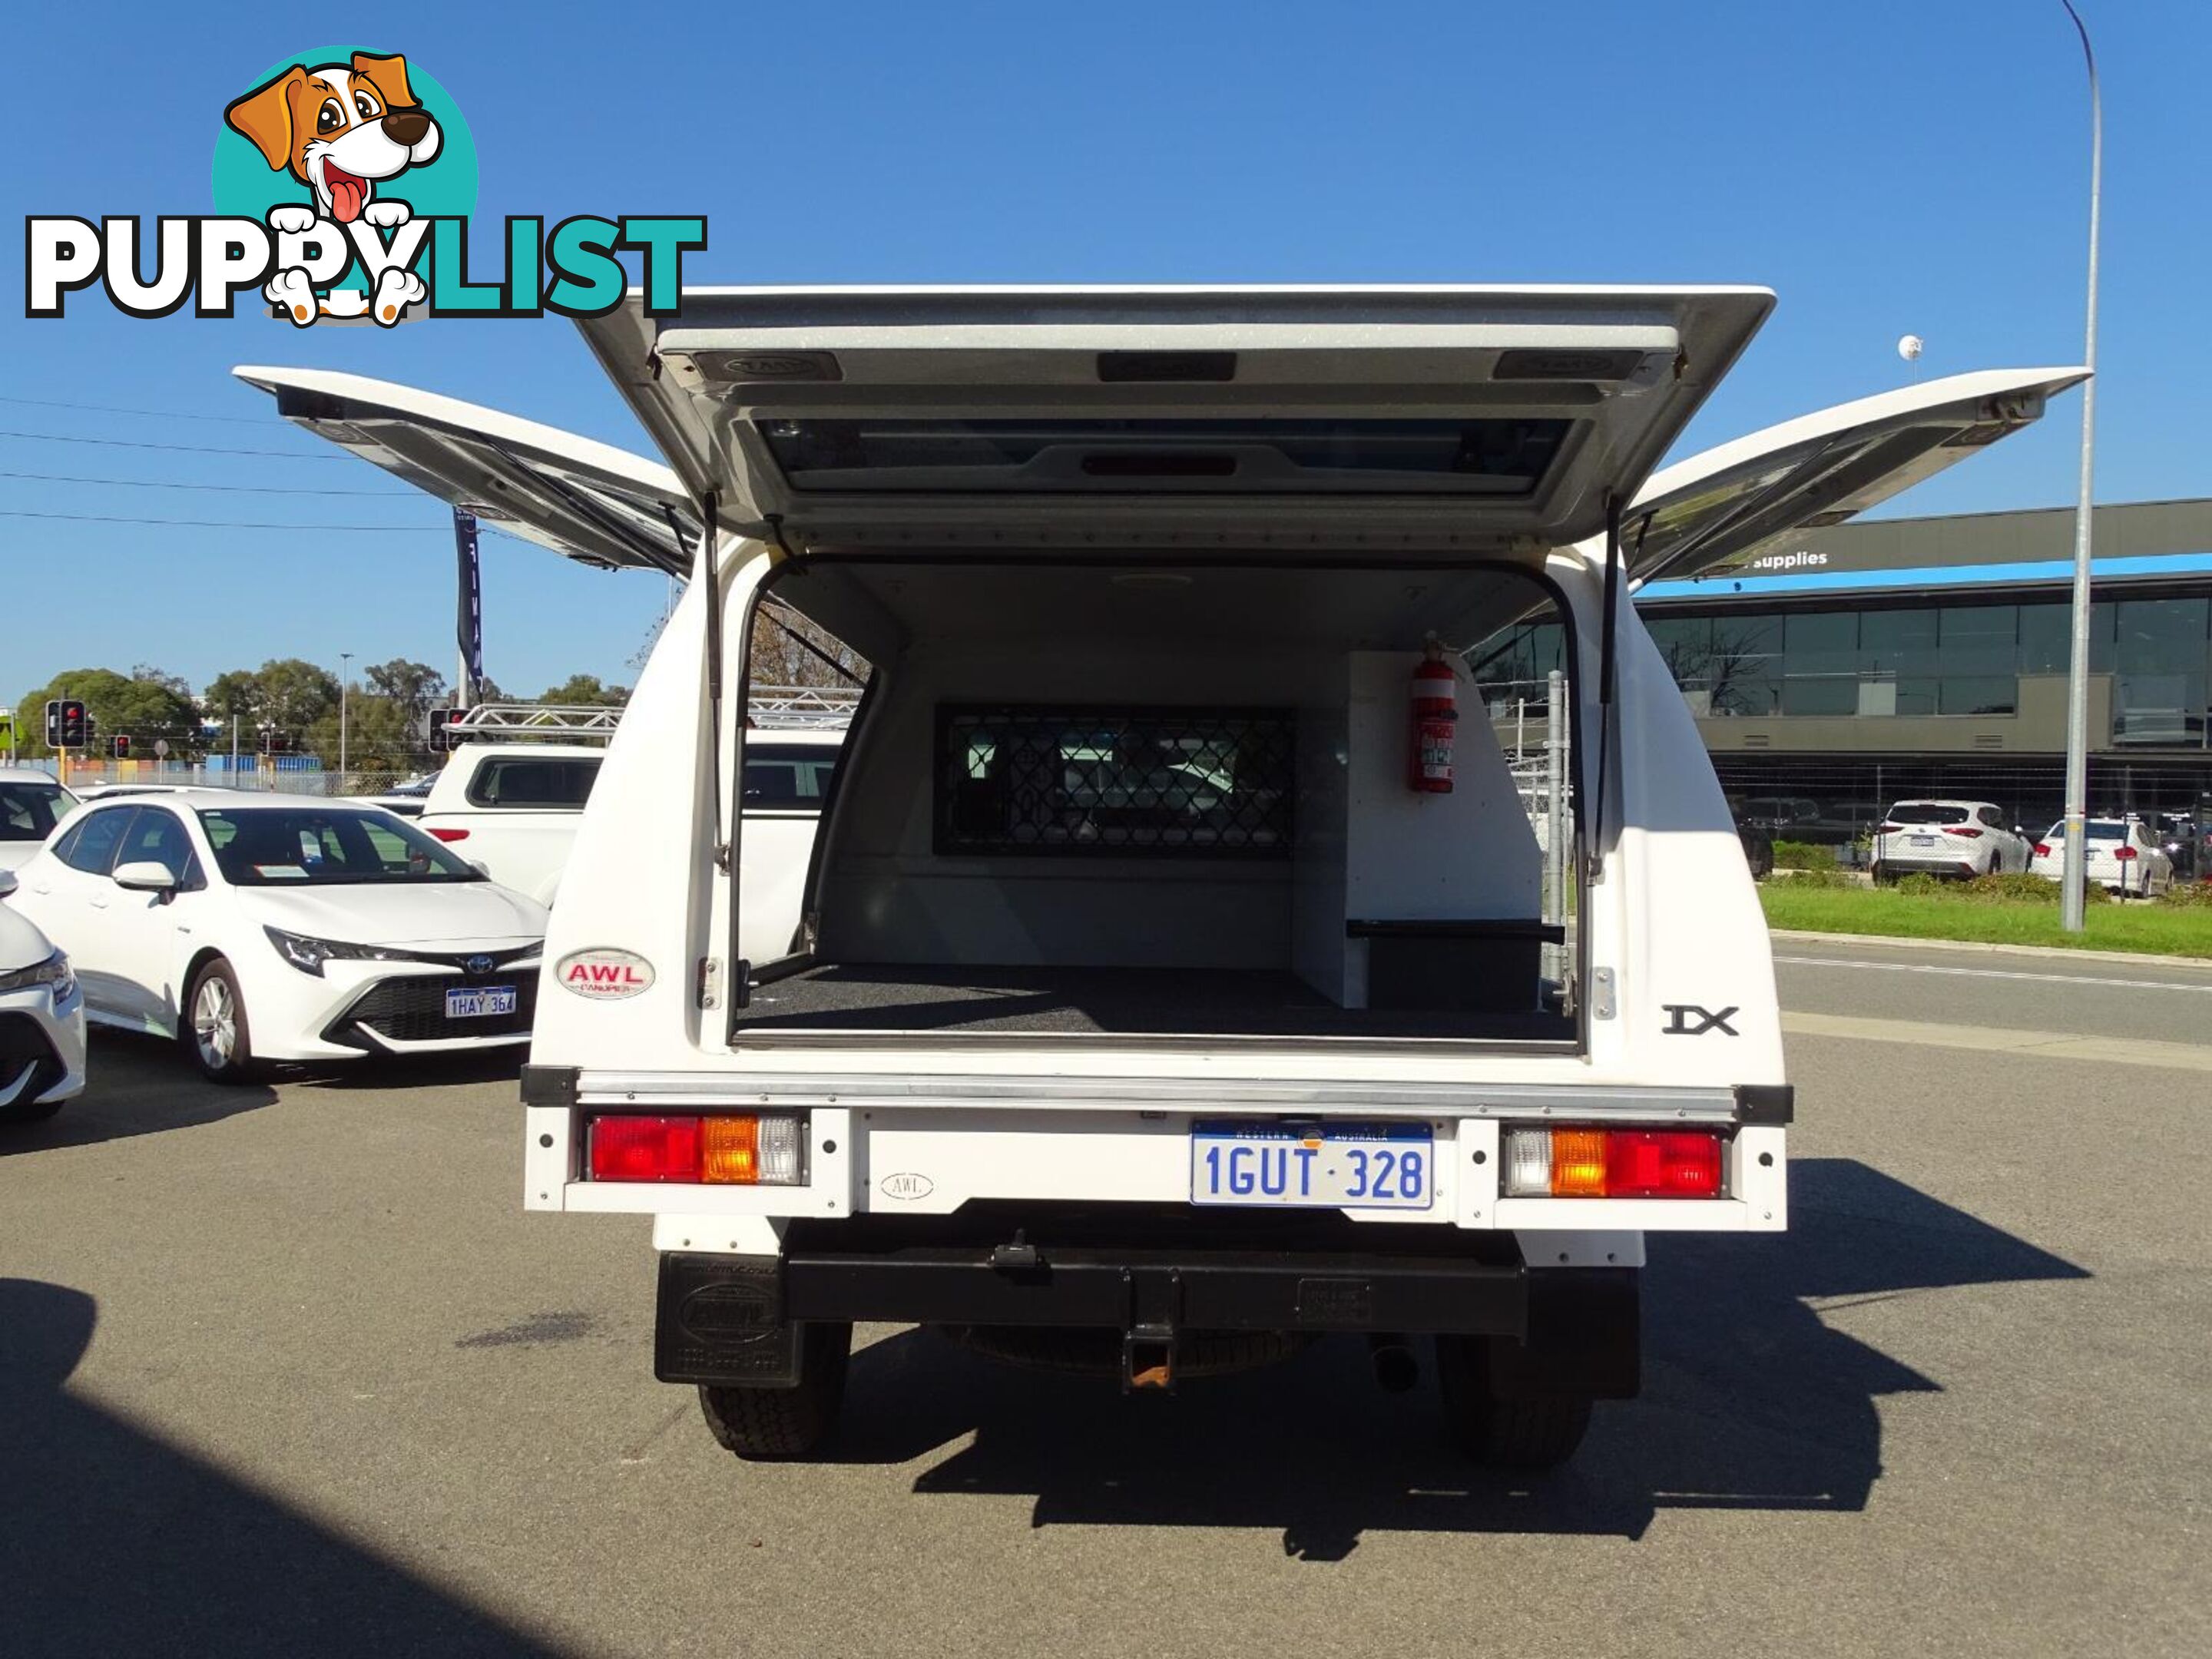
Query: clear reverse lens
{"x": 779, "y": 1151}
{"x": 1527, "y": 1162}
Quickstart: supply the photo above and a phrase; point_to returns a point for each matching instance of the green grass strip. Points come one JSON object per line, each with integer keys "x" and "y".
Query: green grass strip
{"x": 2159, "y": 929}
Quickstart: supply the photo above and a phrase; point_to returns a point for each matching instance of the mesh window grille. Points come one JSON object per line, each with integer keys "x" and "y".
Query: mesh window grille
{"x": 1206, "y": 781}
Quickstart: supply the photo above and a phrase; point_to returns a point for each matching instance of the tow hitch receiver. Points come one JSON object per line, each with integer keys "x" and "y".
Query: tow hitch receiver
{"x": 1148, "y": 1337}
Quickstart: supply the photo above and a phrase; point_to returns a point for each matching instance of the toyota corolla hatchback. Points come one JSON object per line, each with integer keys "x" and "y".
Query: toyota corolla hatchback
{"x": 275, "y": 927}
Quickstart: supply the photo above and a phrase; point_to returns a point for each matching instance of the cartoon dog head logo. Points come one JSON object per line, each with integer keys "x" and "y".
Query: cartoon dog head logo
{"x": 347, "y": 131}
{"x": 340, "y": 129}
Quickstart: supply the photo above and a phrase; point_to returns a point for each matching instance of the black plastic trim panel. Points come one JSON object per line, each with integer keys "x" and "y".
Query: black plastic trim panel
{"x": 550, "y": 1086}
{"x": 1765, "y": 1104}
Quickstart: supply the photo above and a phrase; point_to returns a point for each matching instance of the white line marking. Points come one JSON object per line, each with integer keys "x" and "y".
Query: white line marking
{"x": 1996, "y": 973}
{"x": 2033, "y": 1045}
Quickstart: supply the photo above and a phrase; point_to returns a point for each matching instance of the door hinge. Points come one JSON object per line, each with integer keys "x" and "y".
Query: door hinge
{"x": 710, "y": 982}
{"x": 1601, "y": 993}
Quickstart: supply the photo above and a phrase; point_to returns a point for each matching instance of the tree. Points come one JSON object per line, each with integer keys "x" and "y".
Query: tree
{"x": 285, "y": 692}
{"x": 236, "y": 695}
{"x": 585, "y": 690}
{"x": 145, "y": 710}
{"x": 1730, "y": 668}
{"x": 789, "y": 650}
{"x": 415, "y": 688}
{"x": 380, "y": 735}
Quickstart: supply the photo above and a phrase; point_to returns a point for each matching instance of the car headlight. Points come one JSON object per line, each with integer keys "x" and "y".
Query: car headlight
{"x": 53, "y": 972}
{"x": 308, "y": 955}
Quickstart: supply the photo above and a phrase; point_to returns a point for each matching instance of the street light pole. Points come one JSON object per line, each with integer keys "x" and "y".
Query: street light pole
{"x": 345, "y": 658}
{"x": 2075, "y": 871}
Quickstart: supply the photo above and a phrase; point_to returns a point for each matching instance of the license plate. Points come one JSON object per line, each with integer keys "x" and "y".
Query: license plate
{"x": 480, "y": 1004}
{"x": 1923, "y": 841}
{"x": 1367, "y": 1166}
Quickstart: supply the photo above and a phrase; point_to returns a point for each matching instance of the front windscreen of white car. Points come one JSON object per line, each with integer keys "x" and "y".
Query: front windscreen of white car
{"x": 310, "y": 846}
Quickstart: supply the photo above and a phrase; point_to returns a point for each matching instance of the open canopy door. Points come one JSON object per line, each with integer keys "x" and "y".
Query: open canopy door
{"x": 1329, "y": 419}
{"x": 588, "y": 501}
{"x": 1719, "y": 510}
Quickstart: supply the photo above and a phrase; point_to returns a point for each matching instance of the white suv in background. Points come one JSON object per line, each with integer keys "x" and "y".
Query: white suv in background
{"x": 31, "y": 804}
{"x": 512, "y": 809}
{"x": 1960, "y": 839}
{"x": 2122, "y": 854}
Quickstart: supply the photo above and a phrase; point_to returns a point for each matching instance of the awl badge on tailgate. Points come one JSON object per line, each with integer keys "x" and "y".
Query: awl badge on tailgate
{"x": 604, "y": 975}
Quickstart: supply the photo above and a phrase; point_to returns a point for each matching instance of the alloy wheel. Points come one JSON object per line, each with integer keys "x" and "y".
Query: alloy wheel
{"x": 215, "y": 1023}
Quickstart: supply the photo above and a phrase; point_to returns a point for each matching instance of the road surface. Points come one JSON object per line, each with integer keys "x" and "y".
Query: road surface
{"x": 287, "y": 1371}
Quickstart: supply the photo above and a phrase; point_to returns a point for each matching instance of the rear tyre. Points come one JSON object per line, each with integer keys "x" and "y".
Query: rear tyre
{"x": 1537, "y": 1433}
{"x": 215, "y": 1031}
{"x": 775, "y": 1425}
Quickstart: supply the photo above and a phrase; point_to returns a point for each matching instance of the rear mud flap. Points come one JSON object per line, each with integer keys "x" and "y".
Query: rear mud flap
{"x": 718, "y": 1319}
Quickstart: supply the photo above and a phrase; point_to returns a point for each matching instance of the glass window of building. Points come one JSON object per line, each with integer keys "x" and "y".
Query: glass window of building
{"x": 1898, "y": 643}
{"x": 1980, "y": 639}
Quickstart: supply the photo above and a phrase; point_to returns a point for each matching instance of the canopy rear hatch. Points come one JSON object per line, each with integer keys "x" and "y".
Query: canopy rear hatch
{"x": 1721, "y": 509}
{"x": 1396, "y": 419}
{"x": 591, "y": 501}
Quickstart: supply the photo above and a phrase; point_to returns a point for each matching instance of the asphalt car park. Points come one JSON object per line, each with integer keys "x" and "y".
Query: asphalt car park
{"x": 286, "y": 1368}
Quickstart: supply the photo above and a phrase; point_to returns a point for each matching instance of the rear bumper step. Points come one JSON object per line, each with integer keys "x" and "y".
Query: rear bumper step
{"x": 734, "y": 1319}
{"x": 1222, "y": 1291}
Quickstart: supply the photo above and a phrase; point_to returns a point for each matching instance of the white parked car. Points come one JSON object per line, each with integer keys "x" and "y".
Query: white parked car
{"x": 31, "y": 804}
{"x": 1955, "y": 838}
{"x": 281, "y": 927}
{"x": 2123, "y": 854}
{"x": 41, "y": 1019}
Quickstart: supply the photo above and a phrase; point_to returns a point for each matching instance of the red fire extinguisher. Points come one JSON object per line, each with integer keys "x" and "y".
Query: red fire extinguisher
{"x": 1434, "y": 712}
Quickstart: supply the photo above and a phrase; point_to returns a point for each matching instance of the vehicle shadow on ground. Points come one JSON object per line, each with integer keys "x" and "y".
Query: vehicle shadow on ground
{"x": 416, "y": 1071}
{"x": 1750, "y": 1401}
{"x": 117, "y": 1543}
{"x": 135, "y": 1085}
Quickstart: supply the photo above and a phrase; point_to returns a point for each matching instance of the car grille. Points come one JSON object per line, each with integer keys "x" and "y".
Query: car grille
{"x": 23, "y": 1042}
{"x": 413, "y": 1010}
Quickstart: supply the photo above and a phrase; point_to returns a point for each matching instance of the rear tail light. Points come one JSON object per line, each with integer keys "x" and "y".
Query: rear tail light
{"x": 1970, "y": 835}
{"x": 450, "y": 834}
{"x": 1613, "y": 1163}
{"x": 714, "y": 1149}
{"x": 2123, "y": 852}
{"x": 1890, "y": 829}
{"x": 2043, "y": 849}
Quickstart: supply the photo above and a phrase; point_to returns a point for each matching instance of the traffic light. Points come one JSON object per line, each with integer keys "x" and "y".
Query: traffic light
{"x": 66, "y": 725}
{"x": 119, "y": 746}
{"x": 441, "y": 740}
{"x": 274, "y": 742}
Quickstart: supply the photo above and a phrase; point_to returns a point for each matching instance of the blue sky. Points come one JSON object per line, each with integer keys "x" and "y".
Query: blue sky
{"x": 1887, "y": 167}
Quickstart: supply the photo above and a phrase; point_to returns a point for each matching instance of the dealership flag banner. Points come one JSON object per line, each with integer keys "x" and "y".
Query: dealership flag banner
{"x": 468, "y": 617}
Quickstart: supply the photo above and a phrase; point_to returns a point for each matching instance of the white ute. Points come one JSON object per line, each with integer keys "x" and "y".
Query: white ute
{"x": 1145, "y": 1013}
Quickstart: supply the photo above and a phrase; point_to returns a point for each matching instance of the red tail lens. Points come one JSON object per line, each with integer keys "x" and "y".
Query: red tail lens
{"x": 2123, "y": 852}
{"x": 1890, "y": 829}
{"x": 1611, "y": 1163}
{"x": 1970, "y": 835}
{"x": 645, "y": 1148}
{"x": 450, "y": 834}
{"x": 1662, "y": 1164}
{"x": 2043, "y": 849}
